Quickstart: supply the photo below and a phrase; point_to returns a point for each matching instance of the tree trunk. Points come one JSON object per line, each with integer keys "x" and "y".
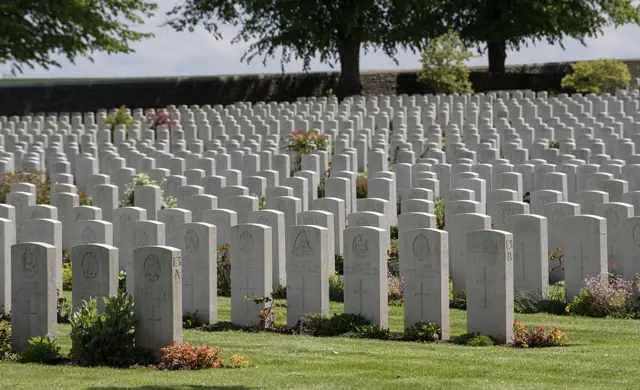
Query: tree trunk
{"x": 497, "y": 56}
{"x": 349, "y": 83}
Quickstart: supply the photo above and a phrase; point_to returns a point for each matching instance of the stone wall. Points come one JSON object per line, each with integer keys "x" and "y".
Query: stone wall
{"x": 19, "y": 98}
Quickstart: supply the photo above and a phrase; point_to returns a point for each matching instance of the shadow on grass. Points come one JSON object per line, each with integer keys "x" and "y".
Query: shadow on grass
{"x": 185, "y": 387}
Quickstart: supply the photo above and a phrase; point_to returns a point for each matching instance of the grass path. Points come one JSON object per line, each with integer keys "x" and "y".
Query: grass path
{"x": 604, "y": 354}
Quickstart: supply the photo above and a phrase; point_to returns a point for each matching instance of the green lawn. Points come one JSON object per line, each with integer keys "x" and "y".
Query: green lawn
{"x": 603, "y": 354}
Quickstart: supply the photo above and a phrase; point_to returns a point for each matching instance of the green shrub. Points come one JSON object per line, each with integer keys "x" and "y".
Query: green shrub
{"x": 474, "y": 340}
{"x": 554, "y": 144}
{"x": 107, "y": 339}
{"x": 122, "y": 281}
{"x": 423, "y": 331}
{"x": 553, "y": 302}
{"x": 224, "y": 270}
{"x": 279, "y": 292}
{"x": 141, "y": 180}
{"x": 63, "y": 309}
{"x": 393, "y": 231}
{"x": 606, "y": 295}
{"x": 439, "y": 210}
{"x": 393, "y": 259}
{"x": 5, "y": 339}
{"x": 372, "y": 332}
{"x": 443, "y": 65}
{"x": 362, "y": 187}
{"x": 42, "y": 350}
{"x": 459, "y": 302}
{"x": 190, "y": 320}
{"x": 66, "y": 277}
{"x": 119, "y": 117}
{"x": 336, "y": 288}
{"x": 43, "y": 188}
{"x": 338, "y": 324}
{"x": 339, "y": 264}
{"x": 600, "y": 76}
{"x": 537, "y": 337}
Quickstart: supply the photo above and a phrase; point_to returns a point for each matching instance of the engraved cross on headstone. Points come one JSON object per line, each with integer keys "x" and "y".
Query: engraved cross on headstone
{"x": 361, "y": 291}
{"x": 485, "y": 282}
{"x": 522, "y": 259}
{"x": 422, "y": 294}
{"x": 29, "y": 311}
{"x": 247, "y": 289}
{"x": 191, "y": 288}
{"x": 303, "y": 289}
{"x": 153, "y": 318}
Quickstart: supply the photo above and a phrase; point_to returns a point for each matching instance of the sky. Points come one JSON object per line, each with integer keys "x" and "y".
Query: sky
{"x": 171, "y": 53}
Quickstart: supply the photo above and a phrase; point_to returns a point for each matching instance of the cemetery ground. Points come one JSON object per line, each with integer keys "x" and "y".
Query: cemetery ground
{"x": 599, "y": 354}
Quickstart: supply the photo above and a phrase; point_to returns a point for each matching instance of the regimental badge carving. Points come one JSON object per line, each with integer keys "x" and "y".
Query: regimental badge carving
{"x": 89, "y": 265}
{"x": 247, "y": 243}
{"x": 360, "y": 245}
{"x": 301, "y": 245}
{"x": 191, "y": 241}
{"x": 88, "y": 235}
{"x": 152, "y": 268}
{"x": 421, "y": 247}
{"x": 28, "y": 263}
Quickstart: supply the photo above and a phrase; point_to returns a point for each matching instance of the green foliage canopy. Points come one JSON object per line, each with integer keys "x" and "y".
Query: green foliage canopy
{"x": 34, "y": 32}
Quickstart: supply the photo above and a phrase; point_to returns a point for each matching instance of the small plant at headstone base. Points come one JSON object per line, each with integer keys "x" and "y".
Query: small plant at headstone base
{"x": 336, "y": 287}
{"x": 66, "y": 277}
{"x": 423, "y": 331}
{"x": 161, "y": 117}
{"x": 526, "y": 198}
{"x": 224, "y": 270}
{"x": 458, "y": 302}
{"x": 339, "y": 264}
{"x": 362, "y": 187}
{"x": 43, "y": 188}
{"x": 108, "y": 339}
{"x": 554, "y": 144}
{"x": 443, "y": 65}
{"x": 5, "y": 339}
{"x": 393, "y": 259}
{"x": 529, "y": 302}
{"x": 395, "y": 290}
{"x": 261, "y": 201}
{"x": 122, "y": 281}
{"x": 120, "y": 116}
{"x": 474, "y": 340}
{"x": 237, "y": 362}
{"x": 605, "y": 295}
{"x": 372, "y": 332}
{"x": 42, "y": 350}
{"x": 279, "y": 292}
{"x": 168, "y": 202}
{"x": 302, "y": 143}
{"x": 439, "y": 211}
{"x": 267, "y": 317}
{"x": 184, "y": 356}
{"x": 335, "y": 325}
{"x": 557, "y": 256}
{"x": 190, "y": 320}
{"x": 599, "y": 76}
{"x": 537, "y": 337}
{"x": 63, "y": 309}
{"x": 393, "y": 232}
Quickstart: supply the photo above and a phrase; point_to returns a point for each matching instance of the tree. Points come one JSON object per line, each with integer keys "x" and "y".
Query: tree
{"x": 331, "y": 30}
{"x": 33, "y": 32}
{"x": 497, "y": 25}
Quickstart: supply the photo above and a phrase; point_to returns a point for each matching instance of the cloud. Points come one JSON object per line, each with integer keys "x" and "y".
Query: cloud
{"x": 171, "y": 53}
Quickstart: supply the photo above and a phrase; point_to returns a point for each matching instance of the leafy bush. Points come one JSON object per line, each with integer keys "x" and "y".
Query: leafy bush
{"x": 459, "y": 302}
{"x": 63, "y": 309}
{"x": 141, "y": 180}
{"x": 184, "y": 356}
{"x": 336, "y": 288}
{"x": 303, "y": 143}
{"x": 238, "y": 362}
{"x": 120, "y": 117}
{"x": 600, "y": 76}
{"x": 537, "y": 337}
{"x": 161, "y": 117}
{"x": 474, "y": 340}
{"x": 224, "y": 270}
{"x": 5, "y": 339}
{"x": 553, "y": 302}
{"x": 339, "y": 264}
{"x": 439, "y": 210}
{"x": 362, "y": 187}
{"x": 190, "y": 320}
{"x": 396, "y": 290}
{"x": 393, "y": 231}
{"x": 338, "y": 324}
{"x": 554, "y": 144}
{"x": 43, "y": 188}
{"x": 526, "y": 198}
{"x": 267, "y": 317}
{"x": 66, "y": 277}
{"x": 372, "y": 332}
{"x": 122, "y": 281}
{"x": 606, "y": 295}
{"x": 279, "y": 292}
{"x": 393, "y": 260}
{"x": 107, "y": 339}
{"x": 42, "y": 350}
{"x": 423, "y": 331}
{"x": 443, "y": 65}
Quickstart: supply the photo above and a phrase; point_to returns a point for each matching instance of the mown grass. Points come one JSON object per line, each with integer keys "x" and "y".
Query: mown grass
{"x": 602, "y": 354}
